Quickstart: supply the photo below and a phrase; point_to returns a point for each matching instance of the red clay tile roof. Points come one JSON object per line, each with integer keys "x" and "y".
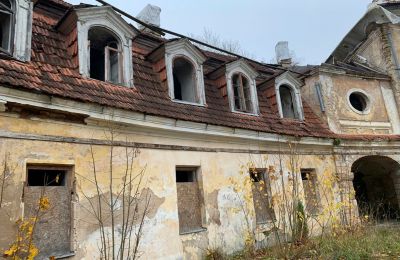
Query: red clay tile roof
{"x": 54, "y": 71}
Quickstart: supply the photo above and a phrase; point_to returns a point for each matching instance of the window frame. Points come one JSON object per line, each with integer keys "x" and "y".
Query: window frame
{"x": 107, "y": 64}
{"x": 69, "y": 183}
{"x": 241, "y": 67}
{"x": 289, "y": 80}
{"x": 184, "y": 48}
{"x": 312, "y": 178}
{"x": 262, "y": 175}
{"x": 196, "y": 90}
{"x": 367, "y": 98}
{"x": 12, "y": 12}
{"x": 197, "y": 180}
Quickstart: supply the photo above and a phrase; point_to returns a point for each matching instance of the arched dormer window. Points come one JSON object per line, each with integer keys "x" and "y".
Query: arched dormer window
{"x": 105, "y": 45}
{"x": 184, "y": 63}
{"x": 7, "y": 13}
{"x": 184, "y": 74}
{"x": 105, "y": 61}
{"x": 242, "y": 91}
{"x": 288, "y": 96}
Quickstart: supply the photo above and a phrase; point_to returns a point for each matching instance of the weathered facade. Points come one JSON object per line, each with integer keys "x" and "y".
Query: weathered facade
{"x": 207, "y": 130}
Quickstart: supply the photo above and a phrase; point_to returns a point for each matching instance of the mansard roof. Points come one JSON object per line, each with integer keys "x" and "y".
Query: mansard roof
{"x": 54, "y": 71}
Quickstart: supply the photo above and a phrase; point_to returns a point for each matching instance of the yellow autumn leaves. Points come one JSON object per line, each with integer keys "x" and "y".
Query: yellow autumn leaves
{"x": 23, "y": 246}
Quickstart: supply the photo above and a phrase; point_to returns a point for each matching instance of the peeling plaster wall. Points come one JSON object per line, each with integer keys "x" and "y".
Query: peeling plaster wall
{"x": 224, "y": 219}
{"x": 382, "y": 118}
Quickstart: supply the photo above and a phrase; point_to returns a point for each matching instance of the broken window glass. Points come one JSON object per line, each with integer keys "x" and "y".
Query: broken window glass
{"x": 242, "y": 93}
{"x": 105, "y": 56}
{"x": 6, "y": 25}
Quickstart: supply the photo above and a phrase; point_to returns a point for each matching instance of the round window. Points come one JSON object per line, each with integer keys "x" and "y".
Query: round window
{"x": 359, "y": 101}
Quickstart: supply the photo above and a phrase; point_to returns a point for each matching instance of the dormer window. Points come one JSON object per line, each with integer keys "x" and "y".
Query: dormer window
{"x": 184, "y": 63}
{"x": 105, "y": 45}
{"x": 7, "y": 12}
{"x": 105, "y": 56}
{"x": 288, "y": 96}
{"x": 184, "y": 74}
{"x": 242, "y": 91}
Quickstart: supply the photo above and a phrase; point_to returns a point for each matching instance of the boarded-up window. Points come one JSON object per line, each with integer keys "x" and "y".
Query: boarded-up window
{"x": 53, "y": 230}
{"x": 261, "y": 196}
{"x": 309, "y": 179}
{"x": 189, "y": 200}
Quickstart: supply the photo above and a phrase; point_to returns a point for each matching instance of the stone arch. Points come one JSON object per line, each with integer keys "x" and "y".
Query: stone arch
{"x": 346, "y": 176}
{"x": 375, "y": 182}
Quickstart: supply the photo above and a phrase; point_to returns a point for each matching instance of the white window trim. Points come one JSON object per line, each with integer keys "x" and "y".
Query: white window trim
{"x": 105, "y": 17}
{"x": 241, "y": 66}
{"x": 292, "y": 82}
{"x": 183, "y": 48}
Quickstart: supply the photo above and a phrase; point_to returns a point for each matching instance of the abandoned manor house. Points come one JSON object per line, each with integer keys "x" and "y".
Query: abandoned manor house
{"x": 121, "y": 139}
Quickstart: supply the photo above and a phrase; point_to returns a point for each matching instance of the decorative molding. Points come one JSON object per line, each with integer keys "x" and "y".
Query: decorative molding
{"x": 288, "y": 79}
{"x": 241, "y": 66}
{"x": 184, "y": 48}
{"x": 105, "y": 17}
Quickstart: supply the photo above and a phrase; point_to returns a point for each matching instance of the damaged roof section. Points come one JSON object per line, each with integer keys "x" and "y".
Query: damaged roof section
{"x": 376, "y": 14}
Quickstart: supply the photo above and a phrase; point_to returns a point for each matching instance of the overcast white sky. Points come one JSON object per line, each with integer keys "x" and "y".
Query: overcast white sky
{"x": 312, "y": 27}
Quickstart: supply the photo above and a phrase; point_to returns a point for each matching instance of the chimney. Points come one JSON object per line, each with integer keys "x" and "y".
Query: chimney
{"x": 283, "y": 54}
{"x": 150, "y": 15}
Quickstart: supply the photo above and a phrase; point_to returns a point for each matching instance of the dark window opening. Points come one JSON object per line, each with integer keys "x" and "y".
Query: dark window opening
{"x": 38, "y": 177}
{"x": 256, "y": 175}
{"x": 242, "y": 93}
{"x": 358, "y": 101}
{"x": 177, "y": 88}
{"x": 184, "y": 75}
{"x": 6, "y": 24}
{"x": 287, "y": 102}
{"x": 185, "y": 175}
{"x": 105, "y": 56}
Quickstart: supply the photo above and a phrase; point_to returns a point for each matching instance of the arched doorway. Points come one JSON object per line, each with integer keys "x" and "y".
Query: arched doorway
{"x": 377, "y": 184}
